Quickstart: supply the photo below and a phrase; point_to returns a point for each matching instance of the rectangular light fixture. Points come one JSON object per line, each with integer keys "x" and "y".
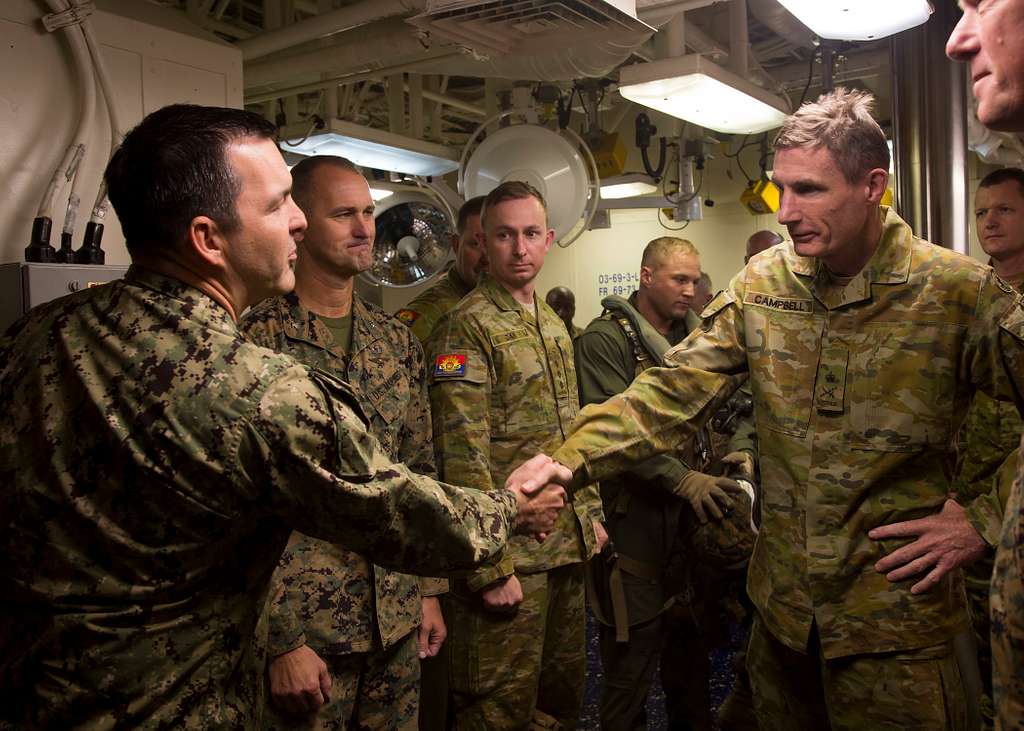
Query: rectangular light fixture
{"x": 858, "y": 20}
{"x": 629, "y": 185}
{"x": 704, "y": 93}
{"x": 371, "y": 148}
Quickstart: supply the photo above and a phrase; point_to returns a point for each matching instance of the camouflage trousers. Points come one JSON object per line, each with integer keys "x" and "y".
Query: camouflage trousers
{"x": 371, "y": 690}
{"x": 794, "y": 691}
{"x": 1007, "y": 601}
{"x": 522, "y": 670}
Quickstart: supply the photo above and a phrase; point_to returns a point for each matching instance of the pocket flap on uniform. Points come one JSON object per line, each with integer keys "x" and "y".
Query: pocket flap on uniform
{"x": 1013, "y": 320}
{"x": 458, "y": 365}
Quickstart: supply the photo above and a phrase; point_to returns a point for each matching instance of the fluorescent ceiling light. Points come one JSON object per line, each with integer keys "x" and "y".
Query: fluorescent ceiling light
{"x": 379, "y": 194}
{"x": 702, "y": 92}
{"x": 371, "y": 148}
{"x": 858, "y": 20}
{"x": 627, "y": 186}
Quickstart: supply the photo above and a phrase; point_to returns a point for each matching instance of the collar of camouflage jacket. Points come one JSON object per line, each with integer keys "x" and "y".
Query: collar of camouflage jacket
{"x": 459, "y": 284}
{"x": 203, "y": 308}
{"x": 890, "y": 264}
{"x": 301, "y": 324}
{"x": 503, "y": 299}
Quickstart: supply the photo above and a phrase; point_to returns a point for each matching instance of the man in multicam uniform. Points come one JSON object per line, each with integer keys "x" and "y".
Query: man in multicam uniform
{"x": 330, "y": 603}
{"x": 154, "y": 463}
{"x": 992, "y": 432}
{"x": 644, "y": 507}
{"x": 863, "y": 347}
{"x": 502, "y": 388}
{"x": 990, "y": 37}
{"x": 430, "y": 306}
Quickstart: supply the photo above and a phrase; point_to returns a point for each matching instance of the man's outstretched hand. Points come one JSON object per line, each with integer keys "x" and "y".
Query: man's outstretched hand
{"x": 944, "y": 542}
{"x": 538, "y": 485}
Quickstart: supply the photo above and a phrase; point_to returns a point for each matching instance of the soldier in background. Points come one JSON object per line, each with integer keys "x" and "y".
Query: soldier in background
{"x": 761, "y": 241}
{"x": 154, "y": 462}
{"x": 840, "y": 333}
{"x": 563, "y": 302}
{"x": 654, "y": 509}
{"x": 992, "y": 432}
{"x": 703, "y": 293}
{"x": 502, "y": 388}
{"x": 990, "y": 40}
{"x": 423, "y": 312}
{"x": 329, "y": 604}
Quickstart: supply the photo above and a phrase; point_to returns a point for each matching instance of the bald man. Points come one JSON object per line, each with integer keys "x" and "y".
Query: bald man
{"x": 563, "y": 302}
{"x": 761, "y": 241}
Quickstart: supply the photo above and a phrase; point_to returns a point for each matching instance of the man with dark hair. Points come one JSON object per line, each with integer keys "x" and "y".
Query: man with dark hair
{"x": 329, "y": 604}
{"x": 563, "y": 302}
{"x": 154, "y": 463}
{"x": 502, "y": 388}
{"x": 654, "y": 510}
{"x": 761, "y": 241}
{"x": 424, "y": 311}
{"x": 863, "y": 346}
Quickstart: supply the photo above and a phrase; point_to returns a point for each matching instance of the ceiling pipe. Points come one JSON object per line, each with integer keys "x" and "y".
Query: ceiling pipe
{"x": 325, "y": 24}
{"x": 739, "y": 37}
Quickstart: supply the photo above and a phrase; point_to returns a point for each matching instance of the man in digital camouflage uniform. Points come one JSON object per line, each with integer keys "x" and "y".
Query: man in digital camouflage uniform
{"x": 470, "y": 261}
{"x": 863, "y": 346}
{"x": 644, "y": 507}
{"x": 154, "y": 463}
{"x": 503, "y": 388}
{"x": 992, "y": 432}
{"x": 328, "y": 603}
{"x": 990, "y": 37}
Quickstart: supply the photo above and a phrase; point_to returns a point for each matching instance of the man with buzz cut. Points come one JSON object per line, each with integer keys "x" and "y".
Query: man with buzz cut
{"x": 154, "y": 462}
{"x": 503, "y": 388}
{"x": 430, "y": 306}
{"x": 330, "y": 604}
{"x": 863, "y": 345}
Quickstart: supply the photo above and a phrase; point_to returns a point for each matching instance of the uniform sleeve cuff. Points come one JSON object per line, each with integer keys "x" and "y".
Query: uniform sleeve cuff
{"x": 278, "y": 645}
{"x": 489, "y": 574}
{"x": 984, "y": 515}
{"x": 433, "y": 587}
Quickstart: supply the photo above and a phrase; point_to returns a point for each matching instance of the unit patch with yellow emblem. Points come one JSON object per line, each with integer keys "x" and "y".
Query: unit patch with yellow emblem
{"x": 450, "y": 365}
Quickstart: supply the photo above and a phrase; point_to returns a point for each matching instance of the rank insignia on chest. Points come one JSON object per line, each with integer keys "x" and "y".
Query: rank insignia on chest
{"x": 407, "y": 316}
{"x": 450, "y": 364}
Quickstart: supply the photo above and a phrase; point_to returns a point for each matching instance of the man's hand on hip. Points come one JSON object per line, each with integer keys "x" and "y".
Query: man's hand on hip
{"x": 945, "y": 541}
{"x": 299, "y": 681}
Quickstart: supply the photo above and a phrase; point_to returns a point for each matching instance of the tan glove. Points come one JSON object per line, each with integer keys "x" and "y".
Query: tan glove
{"x": 705, "y": 492}
{"x": 740, "y": 465}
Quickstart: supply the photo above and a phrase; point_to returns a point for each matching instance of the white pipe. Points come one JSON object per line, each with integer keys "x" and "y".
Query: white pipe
{"x": 325, "y": 24}
{"x": 87, "y": 110}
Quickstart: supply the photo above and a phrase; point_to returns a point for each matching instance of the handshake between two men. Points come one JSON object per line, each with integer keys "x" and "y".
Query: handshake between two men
{"x": 539, "y": 485}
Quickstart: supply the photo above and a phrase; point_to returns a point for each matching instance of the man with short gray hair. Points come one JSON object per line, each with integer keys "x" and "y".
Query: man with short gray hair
{"x": 863, "y": 345}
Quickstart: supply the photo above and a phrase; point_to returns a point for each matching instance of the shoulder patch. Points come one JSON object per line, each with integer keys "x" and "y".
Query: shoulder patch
{"x": 407, "y": 316}
{"x": 450, "y": 365}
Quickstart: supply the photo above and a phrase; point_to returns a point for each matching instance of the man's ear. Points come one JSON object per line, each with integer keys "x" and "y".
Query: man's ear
{"x": 645, "y": 276}
{"x": 878, "y": 180}
{"x": 206, "y": 240}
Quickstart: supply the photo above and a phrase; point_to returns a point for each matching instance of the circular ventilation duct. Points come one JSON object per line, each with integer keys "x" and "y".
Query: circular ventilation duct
{"x": 413, "y": 241}
{"x": 544, "y": 159}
